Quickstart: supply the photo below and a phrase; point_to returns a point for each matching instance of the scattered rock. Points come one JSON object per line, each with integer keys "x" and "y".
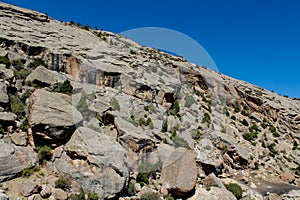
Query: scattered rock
{"x": 287, "y": 176}
{"x": 3, "y": 93}
{"x": 175, "y": 176}
{"x": 19, "y": 138}
{"x": 213, "y": 194}
{"x": 45, "y": 191}
{"x": 58, "y": 193}
{"x": 102, "y": 170}
{"x": 29, "y": 188}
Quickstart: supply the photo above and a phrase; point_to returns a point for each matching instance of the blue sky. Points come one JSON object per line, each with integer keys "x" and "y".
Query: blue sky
{"x": 257, "y": 41}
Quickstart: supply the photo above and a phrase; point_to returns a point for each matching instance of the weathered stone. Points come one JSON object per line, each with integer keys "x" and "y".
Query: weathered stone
{"x": 35, "y": 197}
{"x": 45, "y": 191}
{"x": 44, "y": 77}
{"x": 4, "y": 196}
{"x": 19, "y": 138}
{"x": 29, "y": 188}
{"x": 102, "y": 170}
{"x": 212, "y": 180}
{"x": 5, "y": 73}
{"x": 214, "y": 193}
{"x": 8, "y": 118}
{"x": 179, "y": 172}
{"x": 274, "y": 197}
{"x": 14, "y": 159}
{"x": 287, "y": 176}
{"x": 3, "y": 93}
{"x": 292, "y": 195}
{"x": 59, "y": 194}
{"x": 53, "y": 114}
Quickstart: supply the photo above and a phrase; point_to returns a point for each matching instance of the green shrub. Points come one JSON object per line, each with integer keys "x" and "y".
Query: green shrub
{"x": 272, "y": 150}
{"x": 131, "y": 188}
{"x": 233, "y": 117}
{"x": 22, "y": 74}
{"x": 174, "y": 109}
{"x": 237, "y": 109}
{"x": 18, "y": 64}
{"x": 25, "y": 95}
{"x": 180, "y": 142}
{"x": 235, "y": 189}
{"x": 65, "y": 88}
{"x": 115, "y": 104}
{"x": 264, "y": 125}
{"x": 276, "y": 134}
{"x": 92, "y": 196}
{"x": 149, "y": 196}
{"x": 196, "y": 134}
{"x": 150, "y": 169}
{"x": 189, "y": 101}
{"x": 250, "y": 136}
{"x": 245, "y": 113}
{"x": 206, "y": 118}
{"x": 245, "y": 123}
{"x": 164, "y": 126}
{"x": 272, "y": 129}
{"x": 2, "y": 131}
{"x": 226, "y": 112}
{"x": 253, "y": 128}
{"x": 150, "y": 123}
{"x": 142, "y": 179}
{"x": 17, "y": 106}
{"x": 37, "y": 62}
{"x": 4, "y": 60}
{"x": 24, "y": 125}
{"x": 80, "y": 196}
{"x": 44, "y": 153}
{"x": 30, "y": 170}
{"x": 63, "y": 183}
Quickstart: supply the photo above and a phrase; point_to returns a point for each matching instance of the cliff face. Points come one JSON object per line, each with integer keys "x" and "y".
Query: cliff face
{"x": 114, "y": 118}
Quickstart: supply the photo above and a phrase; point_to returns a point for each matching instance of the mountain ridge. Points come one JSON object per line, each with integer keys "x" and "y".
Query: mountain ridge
{"x": 148, "y": 105}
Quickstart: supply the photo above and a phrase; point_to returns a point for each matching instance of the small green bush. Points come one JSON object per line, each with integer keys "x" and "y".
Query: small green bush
{"x": 180, "y": 142}
{"x": 44, "y": 153}
{"x": 25, "y": 95}
{"x": 189, "y": 101}
{"x": 17, "y": 106}
{"x": 142, "y": 178}
{"x": 92, "y": 196}
{"x": 22, "y": 73}
{"x": 30, "y": 170}
{"x": 264, "y": 125}
{"x": 63, "y": 183}
{"x": 18, "y": 64}
{"x": 2, "y": 131}
{"x": 206, "y": 118}
{"x": 272, "y": 150}
{"x": 245, "y": 123}
{"x": 65, "y": 88}
{"x": 149, "y": 196}
{"x": 276, "y": 134}
{"x": 150, "y": 123}
{"x": 235, "y": 189}
{"x": 115, "y": 104}
{"x": 237, "y": 109}
{"x": 131, "y": 188}
{"x": 164, "y": 126}
{"x": 254, "y": 128}
{"x": 233, "y": 117}
{"x": 226, "y": 112}
{"x": 196, "y": 135}
{"x": 4, "y": 60}
{"x": 24, "y": 125}
{"x": 174, "y": 109}
{"x": 83, "y": 107}
{"x": 272, "y": 129}
{"x": 245, "y": 113}
{"x": 250, "y": 136}
{"x": 37, "y": 62}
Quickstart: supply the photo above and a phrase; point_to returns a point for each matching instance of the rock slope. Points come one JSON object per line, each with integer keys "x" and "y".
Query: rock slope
{"x": 89, "y": 111}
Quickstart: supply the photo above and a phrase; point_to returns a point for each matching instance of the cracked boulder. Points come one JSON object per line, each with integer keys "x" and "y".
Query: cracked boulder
{"x": 52, "y": 115}
{"x": 95, "y": 162}
{"x": 14, "y": 159}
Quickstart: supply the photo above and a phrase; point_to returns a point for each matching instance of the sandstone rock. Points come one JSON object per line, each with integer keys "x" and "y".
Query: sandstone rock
{"x": 3, "y": 93}
{"x": 44, "y": 77}
{"x": 19, "y": 138}
{"x": 29, "y": 188}
{"x": 102, "y": 170}
{"x": 53, "y": 114}
{"x": 45, "y": 191}
{"x": 214, "y": 193}
{"x": 35, "y": 197}
{"x": 8, "y": 118}
{"x": 287, "y": 176}
{"x": 14, "y": 159}
{"x": 209, "y": 156}
{"x": 5, "y": 73}
{"x": 179, "y": 172}
{"x": 59, "y": 194}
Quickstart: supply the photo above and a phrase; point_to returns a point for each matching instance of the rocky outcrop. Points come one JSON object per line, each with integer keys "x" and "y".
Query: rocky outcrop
{"x": 213, "y": 193}
{"x": 3, "y": 93}
{"x": 175, "y": 176}
{"x": 14, "y": 159}
{"x": 52, "y": 114}
{"x": 95, "y": 162}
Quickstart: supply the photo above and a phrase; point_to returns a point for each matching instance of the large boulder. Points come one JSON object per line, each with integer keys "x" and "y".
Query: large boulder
{"x": 95, "y": 162}
{"x": 214, "y": 193}
{"x": 14, "y": 159}
{"x": 53, "y": 114}
{"x": 45, "y": 77}
{"x": 179, "y": 173}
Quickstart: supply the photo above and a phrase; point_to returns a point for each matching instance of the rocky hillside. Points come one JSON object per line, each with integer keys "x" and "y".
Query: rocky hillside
{"x": 88, "y": 114}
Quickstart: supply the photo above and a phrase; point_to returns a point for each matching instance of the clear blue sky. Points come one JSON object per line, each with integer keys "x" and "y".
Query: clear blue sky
{"x": 257, "y": 41}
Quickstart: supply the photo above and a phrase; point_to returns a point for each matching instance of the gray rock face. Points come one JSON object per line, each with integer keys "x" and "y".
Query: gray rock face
{"x": 14, "y": 159}
{"x": 175, "y": 176}
{"x": 214, "y": 193}
{"x": 54, "y": 113}
{"x": 95, "y": 162}
{"x": 3, "y": 93}
{"x": 5, "y": 73}
{"x": 44, "y": 76}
